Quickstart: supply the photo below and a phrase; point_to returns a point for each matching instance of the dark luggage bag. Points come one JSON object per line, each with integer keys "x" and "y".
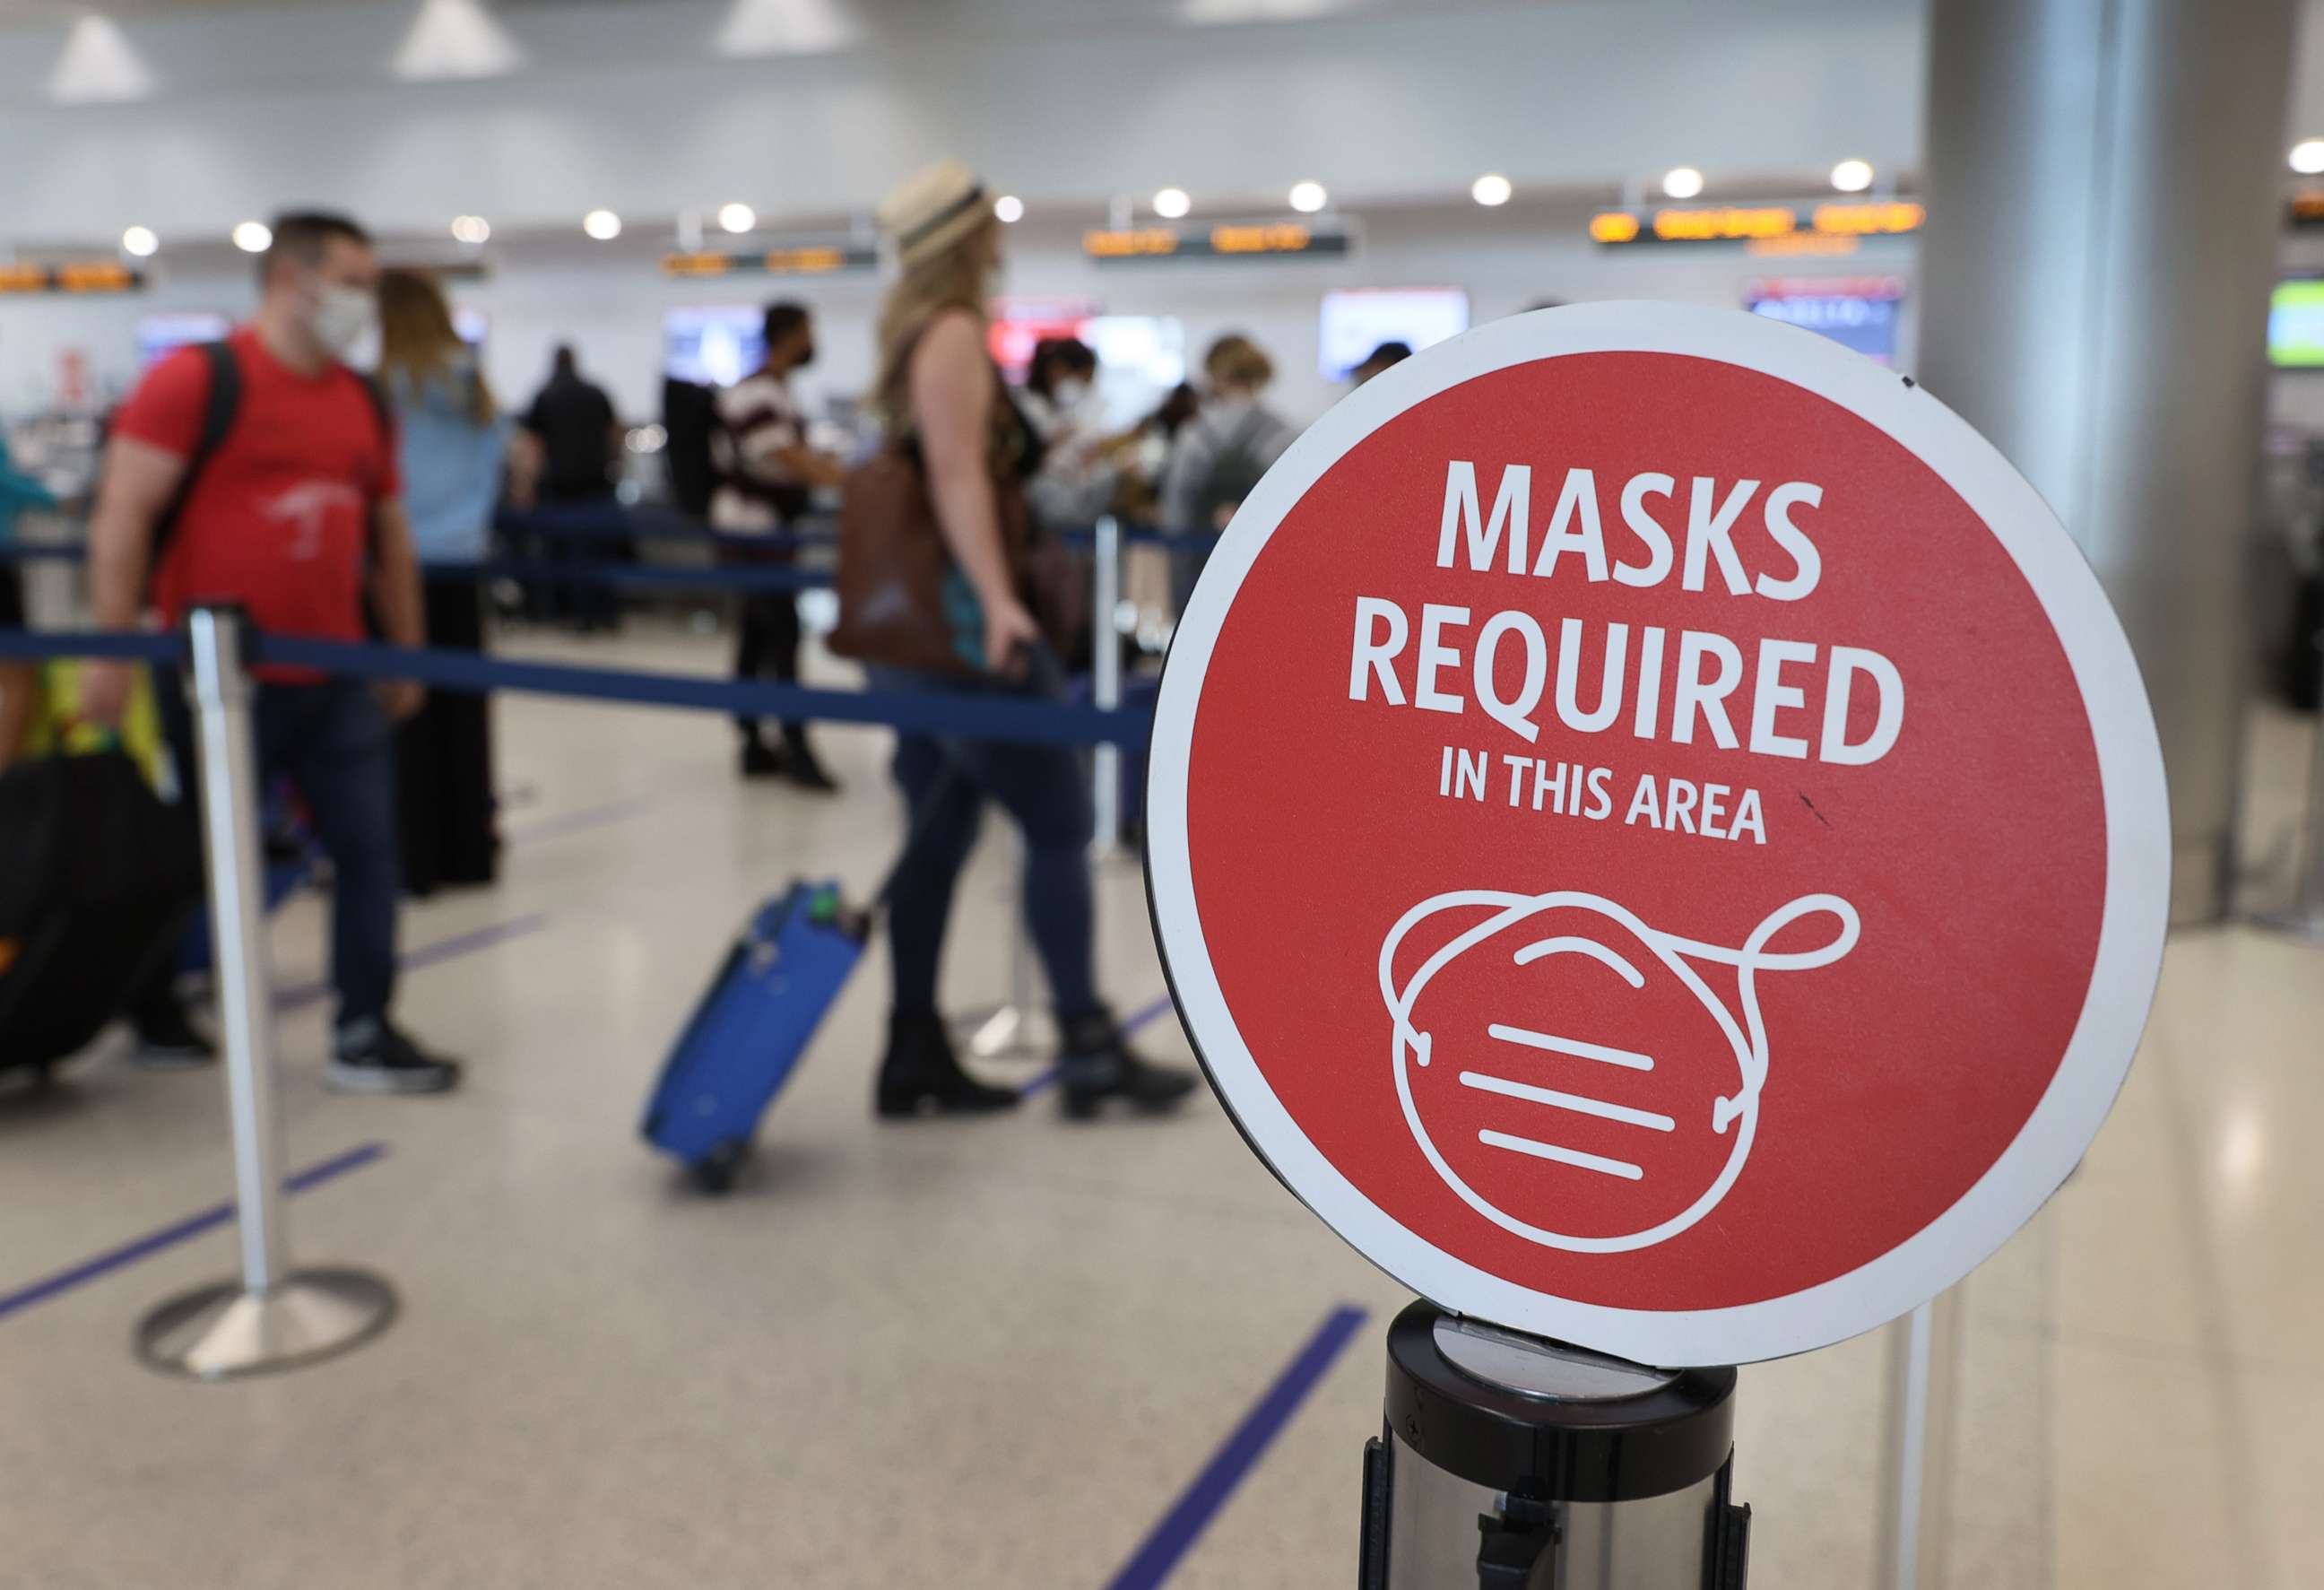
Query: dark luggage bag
{"x": 98, "y": 880}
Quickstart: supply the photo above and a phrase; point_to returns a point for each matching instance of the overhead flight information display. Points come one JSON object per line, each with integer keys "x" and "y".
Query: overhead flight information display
{"x": 1227, "y": 240}
{"x": 1756, "y": 223}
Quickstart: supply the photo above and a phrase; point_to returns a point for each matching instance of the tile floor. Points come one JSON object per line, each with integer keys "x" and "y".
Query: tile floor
{"x": 993, "y": 1353}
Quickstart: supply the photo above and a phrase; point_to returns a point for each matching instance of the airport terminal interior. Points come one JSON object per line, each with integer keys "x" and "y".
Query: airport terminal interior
{"x": 1058, "y": 1326}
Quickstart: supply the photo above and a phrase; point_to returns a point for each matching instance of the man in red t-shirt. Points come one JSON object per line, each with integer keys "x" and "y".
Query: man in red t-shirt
{"x": 297, "y": 516}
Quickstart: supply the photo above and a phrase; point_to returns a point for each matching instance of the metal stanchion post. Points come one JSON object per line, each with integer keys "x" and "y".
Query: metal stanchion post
{"x": 1916, "y": 1453}
{"x": 2303, "y": 919}
{"x": 272, "y": 1316}
{"x": 1510, "y": 1462}
{"x": 1105, "y": 681}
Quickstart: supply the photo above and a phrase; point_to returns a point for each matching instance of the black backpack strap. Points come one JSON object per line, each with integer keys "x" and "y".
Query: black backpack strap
{"x": 218, "y": 410}
{"x": 382, "y": 408}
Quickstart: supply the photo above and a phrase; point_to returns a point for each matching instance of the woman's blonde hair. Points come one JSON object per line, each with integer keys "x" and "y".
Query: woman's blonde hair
{"x": 416, "y": 338}
{"x": 959, "y": 278}
{"x": 1235, "y": 360}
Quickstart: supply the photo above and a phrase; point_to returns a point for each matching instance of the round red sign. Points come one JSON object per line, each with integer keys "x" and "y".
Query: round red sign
{"x": 1656, "y": 834}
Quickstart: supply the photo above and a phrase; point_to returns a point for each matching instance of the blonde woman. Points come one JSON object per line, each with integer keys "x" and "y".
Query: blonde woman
{"x": 948, "y": 412}
{"x": 452, "y": 443}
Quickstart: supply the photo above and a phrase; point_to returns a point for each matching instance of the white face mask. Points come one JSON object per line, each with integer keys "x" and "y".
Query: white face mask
{"x": 343, "y": 317}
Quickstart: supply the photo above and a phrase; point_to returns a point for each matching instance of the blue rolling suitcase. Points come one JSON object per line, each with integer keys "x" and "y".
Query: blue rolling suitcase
{"x": 783, "y": 972}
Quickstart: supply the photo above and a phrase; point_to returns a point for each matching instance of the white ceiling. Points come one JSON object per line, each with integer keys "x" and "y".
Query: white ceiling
{"x": 63, "y": 13}
{"x": 883, "y": 14}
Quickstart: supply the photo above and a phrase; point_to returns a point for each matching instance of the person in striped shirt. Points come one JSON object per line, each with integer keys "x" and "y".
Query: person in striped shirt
{"x": 766, "y": 475}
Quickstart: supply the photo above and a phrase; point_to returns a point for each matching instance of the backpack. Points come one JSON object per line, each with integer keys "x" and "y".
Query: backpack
{"x": 1233, "y": 473}
{"x": 218, "y": 411}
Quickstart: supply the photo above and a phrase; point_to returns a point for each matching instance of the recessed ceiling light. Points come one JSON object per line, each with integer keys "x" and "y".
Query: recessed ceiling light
{"x": 253, "y": 237}
{"x": 1852, "y": 176}
{"x": 1172, "y": 203}
{"x": 140, "y": 241}
{"x": 471, "y": 229}
{"x": 1490, "y": 189}
{"x": 602, "y": 225}
{"x": 2307, "y": 156}
{"x": 1009, "y": 209}
{"x": 737, "y": 218}
{"x": 1307, "y": 198}
{"x": 1682, "y": 183}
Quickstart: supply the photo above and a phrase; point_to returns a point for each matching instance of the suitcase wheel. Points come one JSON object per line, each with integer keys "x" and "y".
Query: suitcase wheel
{"x": 715, "y": 1172}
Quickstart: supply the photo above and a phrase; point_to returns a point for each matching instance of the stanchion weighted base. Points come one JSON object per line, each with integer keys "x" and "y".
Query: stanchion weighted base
{"x": 1014, "y": 1032}
{"x": 1510, "y": 1462}
{"x": 221, "y": 1331}
{"x": 2305, "y": 923}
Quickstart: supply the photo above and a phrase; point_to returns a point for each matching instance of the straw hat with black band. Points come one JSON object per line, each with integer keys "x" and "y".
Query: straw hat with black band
{"x": 933, "y": 211}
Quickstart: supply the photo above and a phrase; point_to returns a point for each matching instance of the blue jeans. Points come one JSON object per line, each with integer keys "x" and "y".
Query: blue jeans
{"x": 946, "y": 780}
{"x": 333, "y": 743}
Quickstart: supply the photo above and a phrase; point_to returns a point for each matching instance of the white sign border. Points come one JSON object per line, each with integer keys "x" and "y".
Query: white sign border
{"x": 2130, "y": 769}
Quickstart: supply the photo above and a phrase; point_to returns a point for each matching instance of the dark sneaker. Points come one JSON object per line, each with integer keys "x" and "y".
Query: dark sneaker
{"x": 167, "y": 1041}
{"x": 379, "y": 1058}
{"x": 1099, "y": 1065}
{"x": 760, "y": 760}
{"x": 921, "y": 1075}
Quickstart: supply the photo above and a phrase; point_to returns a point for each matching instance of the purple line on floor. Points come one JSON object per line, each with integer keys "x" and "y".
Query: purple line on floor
{"x": 1140, "y": 1018}
{"x": 1177, "y": 1531}
{"x": 427, "y": 955}
{"x": 578, "y": 822}
{"x": 170, "y": 1237}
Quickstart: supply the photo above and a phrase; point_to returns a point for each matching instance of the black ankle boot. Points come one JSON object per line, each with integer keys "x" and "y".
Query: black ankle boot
{"x": 922, "y": 1076}
{"x": 1099, "y": 1065}
{"x": 800, "y": 763}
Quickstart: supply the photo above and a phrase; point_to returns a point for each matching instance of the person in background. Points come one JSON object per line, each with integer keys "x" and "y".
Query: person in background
{"x": 765, "y": 473}
{"x": 579, "y": 438}
{"x": 1174, "y": 413}
{"x": 1385, "y": 356}
{"x": 453, "y": 444}
{"x": 1057, "y": 377}
{"x": 1082, "y": 469}
{"x": 937, "y": 386}
{"x": 1220, "y": 456}
{"x": 298, "y": 516}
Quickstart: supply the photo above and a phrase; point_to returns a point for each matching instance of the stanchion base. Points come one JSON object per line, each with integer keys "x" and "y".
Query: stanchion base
{"x": 1014, "y": 1032}
{"x": 221, "y": 1331}
{"x": 2305, "y": 923}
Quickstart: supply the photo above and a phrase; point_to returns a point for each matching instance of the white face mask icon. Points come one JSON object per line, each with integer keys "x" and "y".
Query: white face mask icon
{"x": 1632, "y": 1136}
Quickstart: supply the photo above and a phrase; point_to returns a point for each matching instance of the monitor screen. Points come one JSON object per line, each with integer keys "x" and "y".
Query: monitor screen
{"x": 713, "y": 346}
{"x": 1356, "y": 321}
{"x": 1139, "y": 359}
{"x": 1858, "y": 312}
{"x": 2295, "y": 325}
{"x": 162, "y": 334}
